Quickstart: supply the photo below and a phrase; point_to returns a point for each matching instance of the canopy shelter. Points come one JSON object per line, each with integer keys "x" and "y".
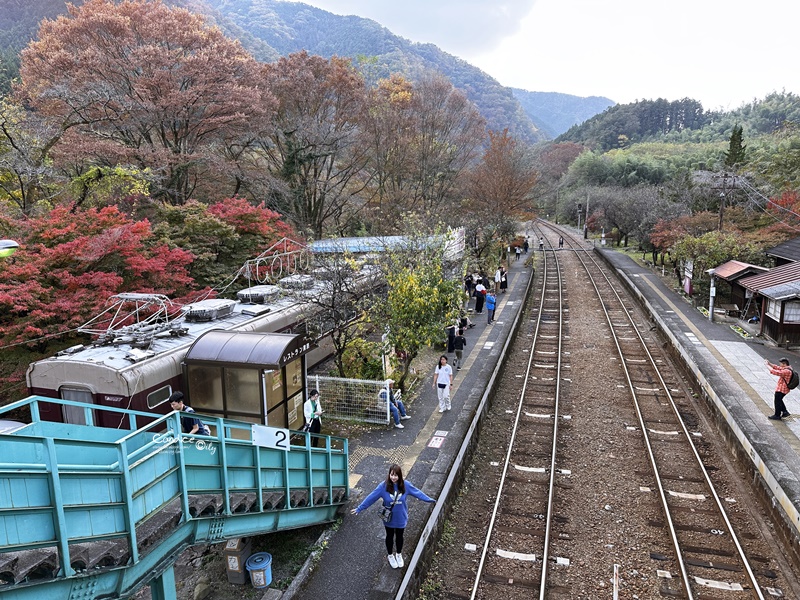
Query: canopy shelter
{"x": 256, "y": 377}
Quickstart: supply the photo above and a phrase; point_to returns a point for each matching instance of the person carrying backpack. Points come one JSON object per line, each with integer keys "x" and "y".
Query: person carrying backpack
{"x": 787, "y": 380}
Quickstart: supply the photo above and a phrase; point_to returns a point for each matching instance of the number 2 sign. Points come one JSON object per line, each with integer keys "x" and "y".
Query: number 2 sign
{"x": 271, "y": 437}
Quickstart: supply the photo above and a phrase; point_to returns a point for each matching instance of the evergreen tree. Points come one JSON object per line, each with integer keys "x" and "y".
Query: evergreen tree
{"x": 736, "y": 150}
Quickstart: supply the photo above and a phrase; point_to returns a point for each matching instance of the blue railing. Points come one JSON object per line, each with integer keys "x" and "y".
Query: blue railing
{"x": 62, "y": 484}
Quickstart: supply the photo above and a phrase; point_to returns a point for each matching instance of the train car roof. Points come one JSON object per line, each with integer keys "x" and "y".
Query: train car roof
{"x": 122, "y": 355}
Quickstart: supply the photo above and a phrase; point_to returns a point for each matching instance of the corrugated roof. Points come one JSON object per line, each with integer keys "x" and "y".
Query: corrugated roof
{"x": 776, "y": 283}
{"x": 734, "y": 269}
{"x": 788, "y": 250}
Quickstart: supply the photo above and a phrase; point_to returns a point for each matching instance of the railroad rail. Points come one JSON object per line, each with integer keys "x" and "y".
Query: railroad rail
{"x": 516, "y": 544}
{"x": 708, "y": 555}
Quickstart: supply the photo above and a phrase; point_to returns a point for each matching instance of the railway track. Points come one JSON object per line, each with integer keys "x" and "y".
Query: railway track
{"x": 516, "y": 544}
{"x": 590, "y": 480}
{"x": 708, "y": 555}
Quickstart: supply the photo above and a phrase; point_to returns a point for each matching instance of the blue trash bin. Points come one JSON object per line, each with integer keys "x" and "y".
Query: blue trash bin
{"x": 259, "y": 565}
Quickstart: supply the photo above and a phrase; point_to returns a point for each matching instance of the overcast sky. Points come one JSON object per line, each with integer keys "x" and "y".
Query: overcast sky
{"x": 721, "y": 52}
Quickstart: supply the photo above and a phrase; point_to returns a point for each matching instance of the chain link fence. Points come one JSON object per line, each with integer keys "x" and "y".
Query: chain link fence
{"x": 352, "y": 399}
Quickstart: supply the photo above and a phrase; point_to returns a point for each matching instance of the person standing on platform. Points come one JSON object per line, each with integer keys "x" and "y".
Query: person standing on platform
{"x": 784, "y": 373}
{"x": 312, "y": 409}
{"x": 526, "y": 245}
{"x": 503, "y": 280}
{"x": 498, "y": 275}
{"x": 189, "y": 424}
{"x": 394, "y": 493}
{"x": 451, "y": 336}
{"x": 460, "y": 344}
{"x": 480, "y": 296}
{"x": 442, "y": 382}
{"x": 491, "y": 302}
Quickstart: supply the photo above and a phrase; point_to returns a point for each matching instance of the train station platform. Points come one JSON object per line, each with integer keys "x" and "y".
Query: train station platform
{"x": 354, "y": 564}
{"x": 731, "y": 373}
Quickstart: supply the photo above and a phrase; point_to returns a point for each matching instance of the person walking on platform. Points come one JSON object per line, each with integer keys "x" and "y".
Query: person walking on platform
{"x": 312, "y": 409}
{"x": 443, "y": 381}
{"x": 784, "y": 373}
{"x": 469, "y": 288}
{"x": 394, "y": 493}
{"x": 480, "y": 296}
{"x": 526, "y": 245}
{"x": 491, "y": 302}
{"x": 460, "y": 344}
{"x": 517, "y": 253}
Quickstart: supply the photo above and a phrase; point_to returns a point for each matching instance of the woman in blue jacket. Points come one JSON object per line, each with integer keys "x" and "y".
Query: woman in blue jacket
{"x": 394, "y": 493}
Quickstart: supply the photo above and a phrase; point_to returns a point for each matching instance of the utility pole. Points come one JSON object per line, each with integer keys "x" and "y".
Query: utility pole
{"x": 586, "y": 220}
{"x": 723, "y": 195}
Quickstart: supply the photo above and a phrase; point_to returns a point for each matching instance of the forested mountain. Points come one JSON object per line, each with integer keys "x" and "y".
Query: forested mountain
{"x": 19, "y": 21}
{"x": 269, "y": 29}
{"x": 555, "y": 113}
{"x": 292, "y": 26}
{"x": 624, "y": 124}
{"x": 682, "y": 121}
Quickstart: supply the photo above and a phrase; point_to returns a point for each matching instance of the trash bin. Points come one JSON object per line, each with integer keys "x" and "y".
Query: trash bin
{"x": 259, "y": 565}
{"x": 236, "y": 553}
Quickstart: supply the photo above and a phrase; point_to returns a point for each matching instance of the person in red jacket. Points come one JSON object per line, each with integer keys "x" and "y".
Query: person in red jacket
{"x": 784, "y": 373}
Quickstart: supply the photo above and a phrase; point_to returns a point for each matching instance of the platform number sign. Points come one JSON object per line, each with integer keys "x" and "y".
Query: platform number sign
{"x": 271, "y": 437}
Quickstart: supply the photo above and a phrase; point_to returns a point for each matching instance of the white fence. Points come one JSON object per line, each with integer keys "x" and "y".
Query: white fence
{"x": 352, "y": 399}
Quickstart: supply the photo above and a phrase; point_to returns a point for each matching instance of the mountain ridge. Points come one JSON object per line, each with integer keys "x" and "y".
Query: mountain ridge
{"x": 269, "y": 29}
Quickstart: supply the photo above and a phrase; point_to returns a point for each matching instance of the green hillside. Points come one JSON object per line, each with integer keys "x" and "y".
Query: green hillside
{"x": 555, "y": 113}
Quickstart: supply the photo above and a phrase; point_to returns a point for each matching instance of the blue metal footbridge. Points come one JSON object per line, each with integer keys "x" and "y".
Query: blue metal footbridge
{"x": 93, "y": 512}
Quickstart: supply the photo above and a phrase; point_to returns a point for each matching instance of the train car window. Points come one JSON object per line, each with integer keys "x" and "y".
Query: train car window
{"x": 294, "y": 376}
{"x": 205, "y": 388}
{"x": 243, "y": 392}
{"x": 160, "y": 396}
{"x": 75, "y": 414}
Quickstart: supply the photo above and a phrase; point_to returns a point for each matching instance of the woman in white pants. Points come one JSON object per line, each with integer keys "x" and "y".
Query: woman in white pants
{"x": 443, "y": 381}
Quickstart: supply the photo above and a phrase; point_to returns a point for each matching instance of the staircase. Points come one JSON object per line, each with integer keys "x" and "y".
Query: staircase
{"x": 90, "y": 512}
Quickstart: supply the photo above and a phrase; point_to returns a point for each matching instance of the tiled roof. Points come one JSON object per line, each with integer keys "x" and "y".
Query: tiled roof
{"x": 789, "y": 250}
{"x": 780, "y": 283}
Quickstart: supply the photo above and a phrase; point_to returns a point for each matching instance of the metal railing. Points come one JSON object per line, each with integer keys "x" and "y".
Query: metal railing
{"x": 352, "y": 399}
